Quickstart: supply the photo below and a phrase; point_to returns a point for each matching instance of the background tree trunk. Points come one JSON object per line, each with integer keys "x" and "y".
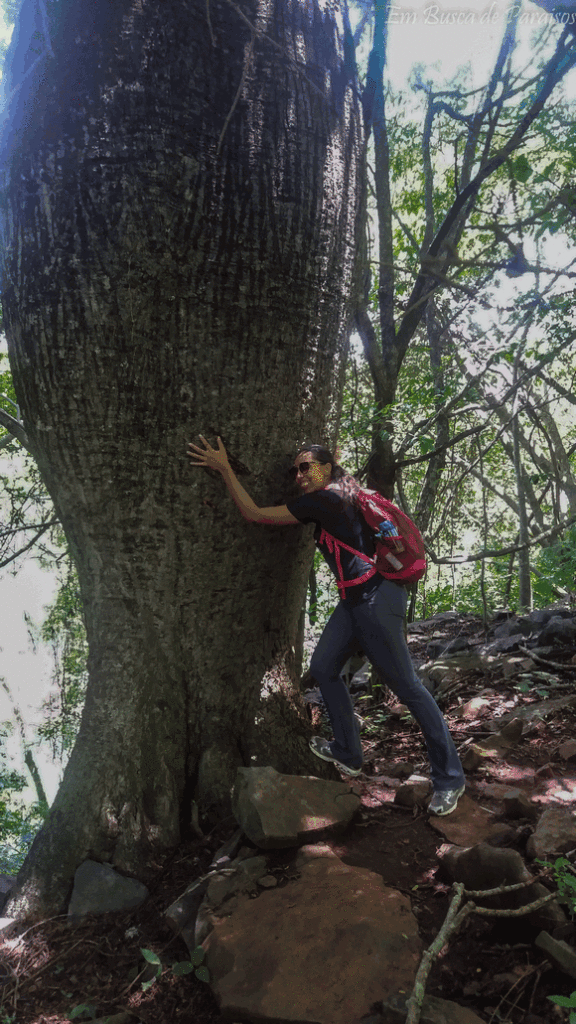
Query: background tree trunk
{"x": 179, "y": 246}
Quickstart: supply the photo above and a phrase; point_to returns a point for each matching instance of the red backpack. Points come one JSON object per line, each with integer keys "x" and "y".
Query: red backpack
{"x": 400, "y": 551}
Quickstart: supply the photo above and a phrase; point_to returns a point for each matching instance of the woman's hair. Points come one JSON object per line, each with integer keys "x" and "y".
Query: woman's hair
{"x": 323, "y": 456}
{"x": 348, "y": 485}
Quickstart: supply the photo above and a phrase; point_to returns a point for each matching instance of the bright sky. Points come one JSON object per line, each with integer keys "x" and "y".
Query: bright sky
{"x": 443, "y": 37}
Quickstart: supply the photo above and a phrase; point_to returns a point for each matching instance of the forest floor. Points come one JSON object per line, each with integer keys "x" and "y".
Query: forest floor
{"x": 493, "y": 968}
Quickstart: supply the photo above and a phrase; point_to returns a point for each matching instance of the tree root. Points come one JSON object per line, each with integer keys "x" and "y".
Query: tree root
{"x": 454, "y": 919}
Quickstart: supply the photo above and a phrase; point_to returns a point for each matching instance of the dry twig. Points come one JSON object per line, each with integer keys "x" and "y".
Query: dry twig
{"x": 558, "y": 666}
{"x": 454, "y": 919}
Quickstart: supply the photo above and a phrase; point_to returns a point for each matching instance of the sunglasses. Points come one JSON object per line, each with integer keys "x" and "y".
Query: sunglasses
{"x": 302, "y": 468}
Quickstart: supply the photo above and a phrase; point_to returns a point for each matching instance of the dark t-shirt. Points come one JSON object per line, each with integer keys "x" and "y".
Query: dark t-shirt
{"x": 330, "y": 511}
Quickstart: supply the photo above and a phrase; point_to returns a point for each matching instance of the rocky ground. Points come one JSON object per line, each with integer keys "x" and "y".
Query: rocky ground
{"x": 492, "y": 965}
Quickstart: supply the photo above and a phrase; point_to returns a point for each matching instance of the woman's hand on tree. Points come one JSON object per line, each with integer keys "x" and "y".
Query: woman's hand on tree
{"x": 208, "y": 456}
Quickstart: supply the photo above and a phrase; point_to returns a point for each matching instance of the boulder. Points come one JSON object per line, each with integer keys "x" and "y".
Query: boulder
{"x": 220, "y": 900}
{"x": 441, "y": 618}
{"x": 505, "y": 644}
{"x": 514, "y": 664}
{"x": 495, "y": 746}
{"x": 448, "y": 670}
{"x": 567, "y": 750}
{"x": 555, "y": 833}
{"x": 447, "y": 647}
{"x": 470, "y": 824}
{"x": 559, "y": 630}
{"x": 322, "y": 949}
{"x": 416, "y": 793}
{"x": 483, "y": 866}
{"x": 277, "y": 810}
{"x": 473, "y": 707}
{"x": 181, "y": 915}
{"x": 403, "y": 770}
{"x": 518, "y": 805}
{"x": 99, "y": 889}
{"x": 487, "y": 867}
{"x": 540, "y": 616}
{"x": 513, "y": 627}
{"x": 540, "y": 710}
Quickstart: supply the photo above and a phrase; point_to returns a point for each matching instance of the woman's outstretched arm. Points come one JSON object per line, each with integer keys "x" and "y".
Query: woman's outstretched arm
{"x": 277, "y": 515}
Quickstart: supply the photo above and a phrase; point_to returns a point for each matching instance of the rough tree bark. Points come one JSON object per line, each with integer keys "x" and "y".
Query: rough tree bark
{"x": 182, "y": 204}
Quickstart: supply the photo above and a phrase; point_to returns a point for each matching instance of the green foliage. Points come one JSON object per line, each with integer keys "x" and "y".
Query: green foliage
{"x": 568, "y": 1003}
{"x": 557, "y": 567}
{"x": 19, "y": 821}
{"x": 182, "y": 967}
{"x": 154, "y": 959}
{"x": 64, "y": 630}
{"x": 565, "y": 880}
{"x": 83, "y": 1010}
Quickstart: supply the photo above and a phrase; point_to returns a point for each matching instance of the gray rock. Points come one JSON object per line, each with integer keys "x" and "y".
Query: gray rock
{"x": 518, "y": 805}
{"x": 446, "y": 671}
{"x": 399, "y": 771}
{"x": 413, "y": 794}
{"x": 483, "y": 866}
{"x": 487, "y": 867}
{"x": 513, "y": 627}
{"x": 501, "y": 615}
{"x": 555, "y": 833}
{"x": 441, "y": 617}
{"x": 539, "y": 710}
{"x": 223, "y": 886}
{"x": 277, "y": 810}
{"x": 559, "y": 630}
{"x": 506, "y": 644}
{"x": 559, "y": 953}
{"x": 540, "y": 616}
{"x": 567, "y": 750}
{"x": 184, "y": 910}
{"x": 446, "y": 647}
{"x": 99, "y": 889}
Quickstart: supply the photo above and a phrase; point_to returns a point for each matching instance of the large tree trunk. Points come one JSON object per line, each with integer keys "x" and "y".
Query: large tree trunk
{"x": 179, "y": 246}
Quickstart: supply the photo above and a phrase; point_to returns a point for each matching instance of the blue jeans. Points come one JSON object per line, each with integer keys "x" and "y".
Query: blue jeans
{"x": 375, "y": 623}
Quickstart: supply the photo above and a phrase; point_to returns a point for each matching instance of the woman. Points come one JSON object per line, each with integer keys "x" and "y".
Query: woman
{"x": 369, "y": 616}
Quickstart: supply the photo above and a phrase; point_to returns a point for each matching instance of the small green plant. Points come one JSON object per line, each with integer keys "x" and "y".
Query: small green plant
{"x": 154, "y": 959}
{"x": 568, "y": 1002}
{"x": 193, "y": 964}
{"x": 565, "y": 879}
{"x": 376, "y": 722}
{"x": 83, "y": 1010}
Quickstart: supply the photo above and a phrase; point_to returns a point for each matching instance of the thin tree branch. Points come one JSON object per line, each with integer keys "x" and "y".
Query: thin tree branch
{"x": 500, "y": 552}
{"x": 16, "y": 428}
{"x": 30, "y": 544}
{"x": 559, "y": 64}
{"x": 453, "y": 921}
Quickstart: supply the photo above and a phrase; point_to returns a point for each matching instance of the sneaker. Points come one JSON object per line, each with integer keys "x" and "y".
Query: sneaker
{"x": 322, "y": 749}
{"x": 445, "y": 801}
